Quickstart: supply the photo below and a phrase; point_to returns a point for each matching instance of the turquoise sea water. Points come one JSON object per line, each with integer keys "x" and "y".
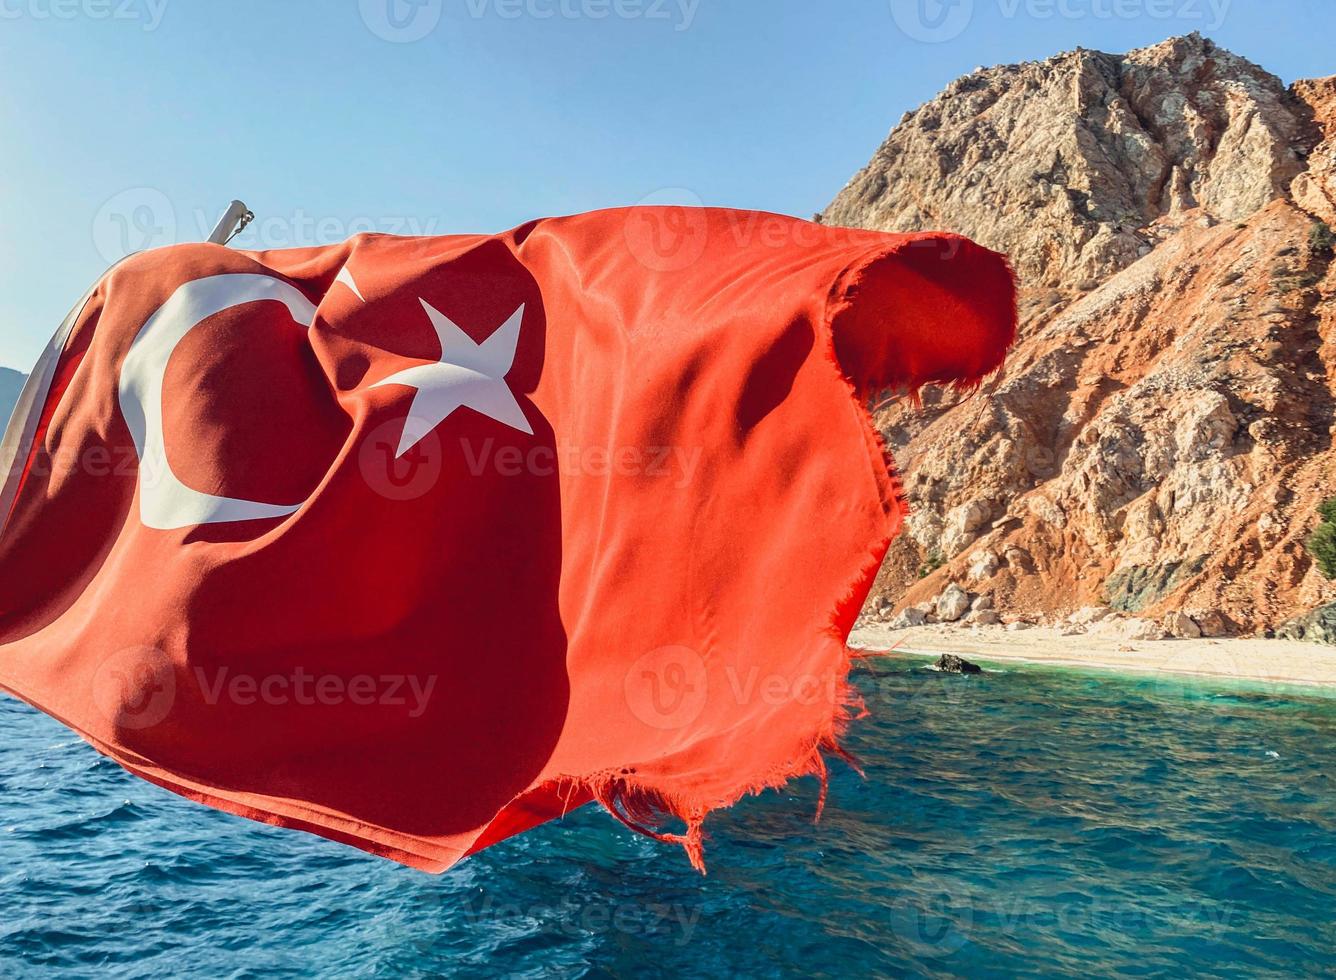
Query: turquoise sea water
{"x": 1027, "y": 822}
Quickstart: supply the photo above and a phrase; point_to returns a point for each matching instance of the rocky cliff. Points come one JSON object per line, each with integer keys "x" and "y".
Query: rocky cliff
{"x": 1164, "y": 429}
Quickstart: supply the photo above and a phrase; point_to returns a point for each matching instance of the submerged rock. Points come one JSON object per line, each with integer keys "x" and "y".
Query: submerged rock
{"x": 949, "y": 663}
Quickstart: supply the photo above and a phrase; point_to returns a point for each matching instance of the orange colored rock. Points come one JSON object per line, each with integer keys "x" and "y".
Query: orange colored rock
{"x": 1315, "y": 189}
{"x": 1164, "y": 429}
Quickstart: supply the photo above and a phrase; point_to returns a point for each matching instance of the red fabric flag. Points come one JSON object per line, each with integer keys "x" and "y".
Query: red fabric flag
{"x": 415, "y": 543}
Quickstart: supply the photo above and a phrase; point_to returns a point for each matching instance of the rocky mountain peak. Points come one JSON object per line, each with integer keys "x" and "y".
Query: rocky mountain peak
{"x": 1076, "y": 165}
{"x": 1166, "y": 427}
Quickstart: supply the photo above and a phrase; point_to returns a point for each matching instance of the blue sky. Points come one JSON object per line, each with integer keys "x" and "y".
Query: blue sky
{"x": 133, "y": 122}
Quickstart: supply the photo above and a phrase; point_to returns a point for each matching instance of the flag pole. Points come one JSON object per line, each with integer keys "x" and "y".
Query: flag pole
{"x": 234, "y": 219}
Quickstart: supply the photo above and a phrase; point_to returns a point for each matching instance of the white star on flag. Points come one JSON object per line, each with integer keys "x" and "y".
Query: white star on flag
{"x": 468, "y": 375}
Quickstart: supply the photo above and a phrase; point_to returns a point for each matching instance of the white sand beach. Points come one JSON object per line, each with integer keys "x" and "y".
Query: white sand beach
{"x": 1280, "y": 662}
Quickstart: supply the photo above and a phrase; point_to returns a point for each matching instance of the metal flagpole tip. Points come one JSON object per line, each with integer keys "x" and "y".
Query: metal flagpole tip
{"x": 234, "y": 219}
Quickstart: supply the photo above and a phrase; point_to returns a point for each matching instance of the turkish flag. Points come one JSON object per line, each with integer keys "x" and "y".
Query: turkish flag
{"x": 415, "y": 543}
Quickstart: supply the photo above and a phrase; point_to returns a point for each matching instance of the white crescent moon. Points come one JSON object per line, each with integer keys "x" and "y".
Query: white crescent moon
{"x": 165, "y": 503}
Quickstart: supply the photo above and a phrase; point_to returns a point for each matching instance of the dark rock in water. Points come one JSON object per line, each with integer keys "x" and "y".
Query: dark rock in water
{"x": 1318, "y": 626}
{"x": 951, "y": 664}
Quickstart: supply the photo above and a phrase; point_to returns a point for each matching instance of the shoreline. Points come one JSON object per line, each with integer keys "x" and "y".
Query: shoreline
{"x": 1256, "y": 661}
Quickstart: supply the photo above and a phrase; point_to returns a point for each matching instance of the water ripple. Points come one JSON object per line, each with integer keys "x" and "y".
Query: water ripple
{"x": 1022, "y": 823}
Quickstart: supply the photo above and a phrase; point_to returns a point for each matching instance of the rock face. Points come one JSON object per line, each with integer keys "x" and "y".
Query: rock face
{"x": 1315, "y": 189}
{"x": 1065, "y": 164}
{"x": 953, "y": 603}
{"x": 1180, "y": 625}
{"x": 1318, "y": 626}
{"x": 1164, "y": 429}
{"x": 908, "y": 619}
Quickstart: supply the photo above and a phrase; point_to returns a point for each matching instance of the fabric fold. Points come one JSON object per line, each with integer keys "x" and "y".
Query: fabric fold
{"x": 579, "y": 512}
